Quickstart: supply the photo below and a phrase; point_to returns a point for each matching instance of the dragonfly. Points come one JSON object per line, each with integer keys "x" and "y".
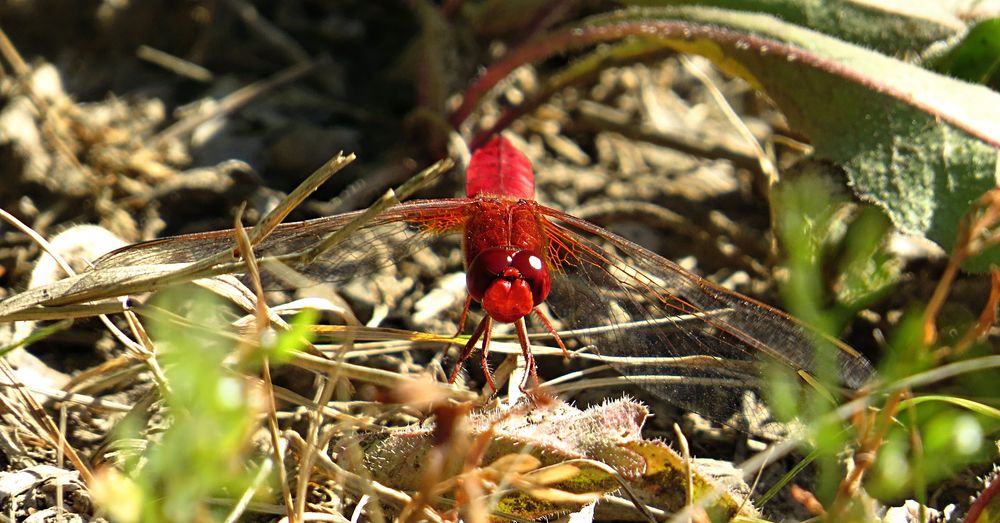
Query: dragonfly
{"x": 703, "y": 345}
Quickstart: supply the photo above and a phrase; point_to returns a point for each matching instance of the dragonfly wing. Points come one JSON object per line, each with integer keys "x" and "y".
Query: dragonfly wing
{"x": 382, "y": 241}
{"x": 703, "y": 344}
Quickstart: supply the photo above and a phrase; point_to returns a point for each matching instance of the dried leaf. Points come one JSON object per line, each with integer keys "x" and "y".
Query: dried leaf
{"x": 526, "y": 437}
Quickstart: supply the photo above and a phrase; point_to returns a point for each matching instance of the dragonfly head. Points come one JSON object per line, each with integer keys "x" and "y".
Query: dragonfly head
{"x": 509, "y": 282}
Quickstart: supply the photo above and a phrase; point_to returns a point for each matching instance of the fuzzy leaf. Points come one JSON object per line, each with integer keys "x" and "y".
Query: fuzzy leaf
{"x": 555, "y": 433}
{"x": 665, "y": 480}
{"x": 920, "y": 145}
{"x": 889, "y": 26}
{"x": 552, "y": 433}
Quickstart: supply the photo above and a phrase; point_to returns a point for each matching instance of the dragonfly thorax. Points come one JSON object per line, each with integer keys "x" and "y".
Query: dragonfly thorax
{"x": 509, "y": 282}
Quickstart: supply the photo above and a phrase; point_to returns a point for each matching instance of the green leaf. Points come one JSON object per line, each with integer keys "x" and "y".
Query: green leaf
{"x": 892, "y": 27}
{"x": 867, "y": 271}
{"x": 974, "y": 406}
{"x": 977, "y": 57}
{"x": 37, "y": 335}
{"x": 920, "y": 145}
{"x": 298, "y": 335}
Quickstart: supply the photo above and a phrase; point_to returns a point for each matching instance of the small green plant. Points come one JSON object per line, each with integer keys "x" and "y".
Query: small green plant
{"x": 837, "y": 264}
{"x": 211, "y": 410}
{"x": 204, "y": 449}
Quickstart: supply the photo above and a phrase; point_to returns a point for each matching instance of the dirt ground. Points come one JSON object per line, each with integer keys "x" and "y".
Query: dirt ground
{"x": 103, "y": 125}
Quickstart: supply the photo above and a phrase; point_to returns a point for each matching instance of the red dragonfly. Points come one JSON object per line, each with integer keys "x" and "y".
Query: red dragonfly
{"x": 704, "y": 345}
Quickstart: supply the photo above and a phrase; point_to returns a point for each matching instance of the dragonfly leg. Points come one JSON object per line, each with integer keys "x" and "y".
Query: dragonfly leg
{"x": 548, "y": 327}
{"x": 484, "y": 327}
{"x": 465, "y": 315}
{"x": 529, "y": 358}
{"x": 485, "y": 352}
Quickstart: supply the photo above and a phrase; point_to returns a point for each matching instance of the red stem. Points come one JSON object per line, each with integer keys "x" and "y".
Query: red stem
{"x": 563, "y": 41}
{"x": 983, "y": 499}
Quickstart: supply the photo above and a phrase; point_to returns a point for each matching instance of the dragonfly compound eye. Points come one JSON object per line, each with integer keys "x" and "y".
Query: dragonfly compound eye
{"x": 533, "y": 270}
{"x": 485, "y": 268}
{"x": 508, "y": 282}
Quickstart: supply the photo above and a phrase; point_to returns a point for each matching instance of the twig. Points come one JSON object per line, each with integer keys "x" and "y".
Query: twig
{"x": 753, "y": 486}
{"x": 387, "y": 200}
{"x": 987, "y": 318}
{"x": 390, "y": 198}
{"x": 270, "y": 32}
{"x": 143, "y": 351}
{"x": 76, "y": 310}
{"x": 262, "y": 474}
{"x": 148, "y": 353}
{"x": 864, "y": 457}
{"x": 59, "y": 461}
{"x": 974, "y": 235}
{"x": 236, "y": 100}
{"x": 309, "y": 451}
{"x": 46, "y": 423}
{"x": 689, "y": 477}
{"x": 13, "y": 57}
{"x": 598, "y": 116}
{"x": 355, "y": 482}
{"x": 97, "y": 404}
{"x": 766, "y": 164}
{"x": 174, "y": 64}
{"x": 263, "y": 324}
{"x": 298, "y": 195}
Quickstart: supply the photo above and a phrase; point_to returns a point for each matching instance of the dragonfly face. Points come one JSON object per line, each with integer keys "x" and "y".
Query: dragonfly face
{"x": 508, "y": 282}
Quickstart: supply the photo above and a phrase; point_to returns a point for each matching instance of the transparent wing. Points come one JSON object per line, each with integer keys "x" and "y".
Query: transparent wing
{"x": 704, "y": 344}
{"x": 389, "y": 237}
